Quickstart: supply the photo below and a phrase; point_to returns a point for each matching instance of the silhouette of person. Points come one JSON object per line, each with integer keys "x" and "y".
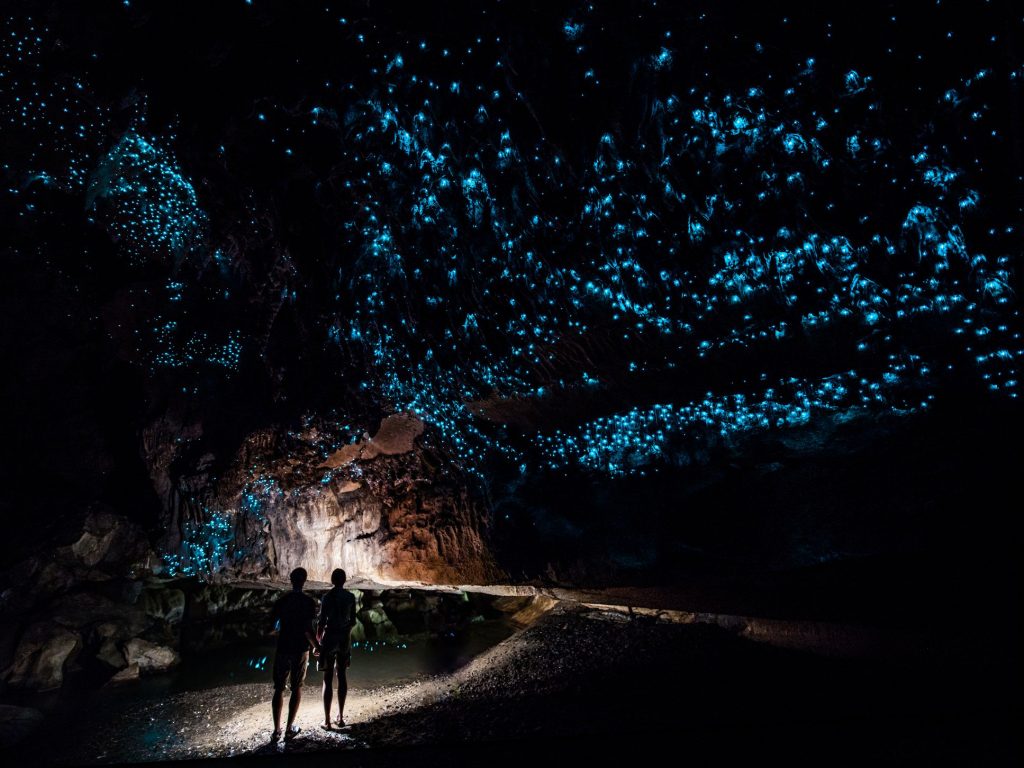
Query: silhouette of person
{"x": 295, "y": 614}
{"x": 337, "y": 617}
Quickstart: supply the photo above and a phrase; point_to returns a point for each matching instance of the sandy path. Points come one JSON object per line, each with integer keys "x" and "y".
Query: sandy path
{"x": 228, "y": 721}
{"x": 249, "y": 729}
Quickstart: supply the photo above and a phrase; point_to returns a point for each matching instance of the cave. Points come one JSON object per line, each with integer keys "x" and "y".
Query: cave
{"x": 650, "y": 369}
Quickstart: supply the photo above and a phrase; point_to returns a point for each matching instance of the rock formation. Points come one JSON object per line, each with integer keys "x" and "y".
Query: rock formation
{"x": 381, "y": 507}
{"x": 92, "y": 606}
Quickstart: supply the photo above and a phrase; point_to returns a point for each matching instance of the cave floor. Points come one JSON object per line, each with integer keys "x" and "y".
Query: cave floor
{"x": 580, "y": 679}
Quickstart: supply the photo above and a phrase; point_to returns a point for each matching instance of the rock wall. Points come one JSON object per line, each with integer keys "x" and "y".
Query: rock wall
{"x": 433, "y": 538}
{"x": 90, "y": 608}
{"x": 384, "y": 507}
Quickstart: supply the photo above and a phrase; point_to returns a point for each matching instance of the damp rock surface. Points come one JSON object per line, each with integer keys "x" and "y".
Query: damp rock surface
{"x": 149, "y": 657}
{"x": 42, "y": 656}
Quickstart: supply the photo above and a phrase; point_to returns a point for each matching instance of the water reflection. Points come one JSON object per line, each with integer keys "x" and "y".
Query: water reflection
{"x": 374, "y": 662}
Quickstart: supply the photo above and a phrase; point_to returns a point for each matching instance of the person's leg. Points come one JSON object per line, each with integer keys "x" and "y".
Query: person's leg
{"x": 343, "y": 663}
{"x": 276, "y": 704}
{"x": 298, "y": 676}
{"x": 328, "y": 660}
{"x": 293, "y": 705}
{"x": 280, "y": 675}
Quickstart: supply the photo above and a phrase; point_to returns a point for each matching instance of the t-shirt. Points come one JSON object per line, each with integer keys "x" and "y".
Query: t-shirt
{"x": 296, "y": 612}
{"x": 337, "y": 617}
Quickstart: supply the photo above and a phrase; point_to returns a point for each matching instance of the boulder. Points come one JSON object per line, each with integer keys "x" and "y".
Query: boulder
{"x": 358, "y": 594}
{"x": 149, "y": 657}
{"x": 110, "y": 539}
{"x": 376, "y": 624}
{"x": 53, "y": 580}
{"x": 104, "y": 642}
{"x": 79, "y": 610}
{"x": 358, "y": 633}
{"x": 90, "y": 548}
{"x": 128, "y": 674}
{"x": 166, "y": 604}
{"x": 111, "y": 655}
{"x": 32, "y": 581}
{"x": 42, "y": 656}
{"x": 373, "y": 616}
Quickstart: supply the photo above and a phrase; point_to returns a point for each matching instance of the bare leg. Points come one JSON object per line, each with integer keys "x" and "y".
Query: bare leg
{"x": 275, "y": 705}
{"x": 342, "y": 691}
{"x": 293, "y": 705}
{"x": 329, "y": 695}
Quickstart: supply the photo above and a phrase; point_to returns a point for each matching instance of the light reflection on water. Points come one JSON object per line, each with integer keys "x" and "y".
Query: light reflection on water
{"x": 374, "y": 662}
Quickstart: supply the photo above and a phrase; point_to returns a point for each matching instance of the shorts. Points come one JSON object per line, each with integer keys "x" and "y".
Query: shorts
{"x": 338, "y": 656}
{"x": 290, "y": 668}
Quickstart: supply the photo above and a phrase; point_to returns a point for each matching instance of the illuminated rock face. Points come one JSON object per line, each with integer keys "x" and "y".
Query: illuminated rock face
{"x": 434, "y": 538}
{"x": 397, "y": 435}
{"x": 431, "y": 534}
{"x": 377, "y": 507}
{"x": 424, "y": 532}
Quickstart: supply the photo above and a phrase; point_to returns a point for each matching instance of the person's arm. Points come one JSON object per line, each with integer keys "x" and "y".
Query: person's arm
{"x": 351, "y": 618}
{"x": 321, "y": 622}
{"x": 275, "y": 617}
{"x": 312, "y": 636}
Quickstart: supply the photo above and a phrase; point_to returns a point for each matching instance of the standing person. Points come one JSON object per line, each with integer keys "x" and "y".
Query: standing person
{"x": 296, "y": 613}
{"x": 337, "y": 617}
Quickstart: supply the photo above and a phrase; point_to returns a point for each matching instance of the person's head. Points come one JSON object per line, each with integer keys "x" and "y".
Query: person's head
{"x": 338, "y": 577}
{"x": 298, "y": 577}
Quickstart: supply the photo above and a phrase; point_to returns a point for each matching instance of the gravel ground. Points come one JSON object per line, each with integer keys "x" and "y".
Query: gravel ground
{"x": 575, "y": 673}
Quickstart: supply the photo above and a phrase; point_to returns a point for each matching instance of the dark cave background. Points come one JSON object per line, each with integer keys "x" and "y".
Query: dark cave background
{"x": 889, "y": 512}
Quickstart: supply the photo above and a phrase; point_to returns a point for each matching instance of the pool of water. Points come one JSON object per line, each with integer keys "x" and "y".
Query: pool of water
{"x": 373, "y": 663}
